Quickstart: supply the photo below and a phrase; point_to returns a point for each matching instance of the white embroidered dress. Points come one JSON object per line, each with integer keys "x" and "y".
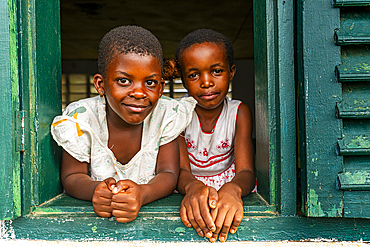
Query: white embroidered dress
{"x": 211, "y": 155}
{"x": 82, "y": 131}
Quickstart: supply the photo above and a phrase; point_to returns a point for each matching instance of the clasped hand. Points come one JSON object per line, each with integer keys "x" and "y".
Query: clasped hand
{"x": 212, "y": 213}
{"x": 121, "y": 199}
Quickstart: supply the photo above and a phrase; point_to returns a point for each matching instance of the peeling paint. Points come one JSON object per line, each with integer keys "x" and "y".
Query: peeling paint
{"x": 314, "y": 206}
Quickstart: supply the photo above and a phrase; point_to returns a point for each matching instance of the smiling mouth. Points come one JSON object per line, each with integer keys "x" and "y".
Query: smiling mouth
{"x": 209, "y": 96}
{"x": 136, "y": 108}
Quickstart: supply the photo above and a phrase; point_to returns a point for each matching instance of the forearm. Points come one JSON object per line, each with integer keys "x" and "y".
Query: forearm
{"x": 162, "y": 185}
{"x": 243, "y": 182}
{"x": 80, "y": 186}
{"x": 186, "y": 180}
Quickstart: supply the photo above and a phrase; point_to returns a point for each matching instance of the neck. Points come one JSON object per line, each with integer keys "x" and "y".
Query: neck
{"x": 208, "y": 117}
{"x": 117, "y": 123}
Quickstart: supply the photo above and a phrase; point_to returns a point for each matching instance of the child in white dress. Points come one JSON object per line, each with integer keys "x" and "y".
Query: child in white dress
{"x": 216, "y": 152}
{"x": 120, "y": 149}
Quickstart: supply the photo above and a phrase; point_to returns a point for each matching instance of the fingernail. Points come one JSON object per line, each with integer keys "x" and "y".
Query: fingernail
{"x": 213, "y": 203}
{"x": 213, "y": 229}
{"x": 232, "y": 231}
{"x": 213, "y": 240}
{"x": 222, "y": 239}
{"x": 200, "y": 232}
{"x": 112, "y": 186}
{"x": 115, "y": 190}
{"x": 208, "y": 234}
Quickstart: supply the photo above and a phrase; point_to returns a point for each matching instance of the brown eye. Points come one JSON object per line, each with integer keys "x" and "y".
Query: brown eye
{"x": 151, "y": 83}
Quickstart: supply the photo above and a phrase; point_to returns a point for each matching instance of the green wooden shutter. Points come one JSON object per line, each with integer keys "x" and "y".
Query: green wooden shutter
{"x": 319, "y": 92}
{"x": 334, "y": 104}
{"x": 10, "y": 192}
{"x": 41, "y": 90}
{"x": 275, "y": 103}
{"x": 353, "y": 73}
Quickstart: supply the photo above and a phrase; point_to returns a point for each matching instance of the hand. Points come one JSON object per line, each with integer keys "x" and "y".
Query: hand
{"x": 126, "y": 200}
{"x": 229, "y": 212}
{"x": 195, "y": 208}
{"x": 102, "y": 198}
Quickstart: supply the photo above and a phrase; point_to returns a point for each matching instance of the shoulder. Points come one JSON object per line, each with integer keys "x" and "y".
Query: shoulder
{"x": 174, "y": 107}
{"x": 89, "y": 105}
{"x": 244, "y": 115}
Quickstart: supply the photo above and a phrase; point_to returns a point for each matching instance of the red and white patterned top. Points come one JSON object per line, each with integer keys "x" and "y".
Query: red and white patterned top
{"x": 211, "y": 155}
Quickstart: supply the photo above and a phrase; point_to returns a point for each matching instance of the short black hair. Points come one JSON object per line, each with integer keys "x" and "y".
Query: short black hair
{"x": 127, "y": 39}
{"x": 201, "y": 36}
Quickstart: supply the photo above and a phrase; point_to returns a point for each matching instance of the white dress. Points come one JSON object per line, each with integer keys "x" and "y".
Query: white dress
{"x": 82, "y": 131}
{"x": 211, "y": 155}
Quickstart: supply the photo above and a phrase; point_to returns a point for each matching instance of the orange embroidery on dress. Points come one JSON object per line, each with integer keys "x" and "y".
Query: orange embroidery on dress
{"x": 56, "y": 123}
{"x": 79, "y": 131}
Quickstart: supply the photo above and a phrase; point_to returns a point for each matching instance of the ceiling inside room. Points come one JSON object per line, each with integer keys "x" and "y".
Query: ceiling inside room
{"x": 84, "y": 23}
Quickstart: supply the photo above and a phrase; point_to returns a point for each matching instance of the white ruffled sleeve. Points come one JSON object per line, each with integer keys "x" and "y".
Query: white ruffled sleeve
{"x": 178, "y": 120}
{"x": 72, "y": 134}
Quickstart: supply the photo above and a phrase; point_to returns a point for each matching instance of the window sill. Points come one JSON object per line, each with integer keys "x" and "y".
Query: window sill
{"x": 254, "y": 205}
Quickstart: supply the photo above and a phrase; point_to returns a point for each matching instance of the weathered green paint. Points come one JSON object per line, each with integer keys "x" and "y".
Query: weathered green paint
{"x": 354, "y": 28}
{"x": 319, "y": 93}
{"x": 293, "y": 228}
{"x": 359, "y": 180}
{"x": 351, "y": 3}
{"x": 62, "y": 204}
{"x": 275, "y": 107}
{"x": 355, "y": 65}
{"x": 41, "y": 98}
{"x": 354, "y": 74}
{"x": 354, "y": 145}
{"x": 9, "y": 158}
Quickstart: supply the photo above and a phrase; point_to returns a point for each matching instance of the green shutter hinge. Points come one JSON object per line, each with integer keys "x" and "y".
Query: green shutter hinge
{"x": 21, "y": 131}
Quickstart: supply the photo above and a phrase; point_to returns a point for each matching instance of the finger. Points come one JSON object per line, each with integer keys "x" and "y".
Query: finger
{"x": 209, "y": 226}
{"x": 110, "y": 182}
{"x": 237, "y": 220}
{"x": 101, "y": 201}
{"x": 212, "y": 198}
{"x": 226, "y": 226}
{"x": 121, "y": 186}
{"x": 214, "y": 237}
{"x": 125, "y": 219}
{"x": 201, "y": 210}
{"x": 184, "y": 216}
{"x": 193, "y": 222}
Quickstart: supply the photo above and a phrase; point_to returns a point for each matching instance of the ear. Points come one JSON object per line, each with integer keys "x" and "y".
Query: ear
{"x": 99, "y": 84}
{"x": 232, "y": 72}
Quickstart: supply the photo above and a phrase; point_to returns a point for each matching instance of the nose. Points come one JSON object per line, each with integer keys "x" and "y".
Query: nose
{"x": 138, "y": 91}
{"x": 206, "y": 81}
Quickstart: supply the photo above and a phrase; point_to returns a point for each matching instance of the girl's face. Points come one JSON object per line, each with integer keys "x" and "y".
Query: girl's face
{"x": 132, "y": 87}
{"x": 206, "y": 74}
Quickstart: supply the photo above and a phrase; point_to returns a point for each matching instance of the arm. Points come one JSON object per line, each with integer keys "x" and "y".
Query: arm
{"x": 77, "y": 183}
{"x": 229, "y": 211}
{"x": 128, "y": 197}
{"x": 198, "y": 199}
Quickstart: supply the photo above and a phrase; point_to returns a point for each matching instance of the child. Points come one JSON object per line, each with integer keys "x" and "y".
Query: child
{"x": 216, "y": 152}
{"x": 120, "y": 149}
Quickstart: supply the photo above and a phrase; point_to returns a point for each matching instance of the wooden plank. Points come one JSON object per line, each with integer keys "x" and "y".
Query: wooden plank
{"x": 39, "y": 46}
{"x": 351, "y": 3}
{"x": 354, "y": 145}
{"x": 253, "y": 204}
{"x": 355, "y": 65}
{"x": 10, "y": 190}
{"x": 356, "y": 204}
{"x": 358, "y": 180}
{"x": 319, "y": 93}
{"x": 172, "y": 229}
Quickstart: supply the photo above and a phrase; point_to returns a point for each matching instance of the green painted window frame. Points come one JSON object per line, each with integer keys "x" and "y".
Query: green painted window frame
{"x": 37, "y": 31}
{"x": 37, "y": 74}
